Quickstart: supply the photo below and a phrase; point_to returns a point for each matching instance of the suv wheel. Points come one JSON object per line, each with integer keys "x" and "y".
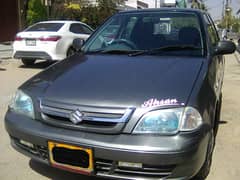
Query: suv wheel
{"x": 205, "y": 169}
{"x": 28, "y": 62}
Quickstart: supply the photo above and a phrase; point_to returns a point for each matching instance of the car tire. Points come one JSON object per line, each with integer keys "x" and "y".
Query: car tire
{"x": 28, "y": 62}
{"x": 205, "y": 169}
{"x": 218, "y": 115}
{"x": 71, "y": 51}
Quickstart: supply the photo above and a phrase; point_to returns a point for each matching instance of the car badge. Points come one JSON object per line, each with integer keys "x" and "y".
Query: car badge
{"x": 76, "y": 116}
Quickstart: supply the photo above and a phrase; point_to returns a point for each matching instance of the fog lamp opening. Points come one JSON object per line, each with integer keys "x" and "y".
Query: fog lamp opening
{"x": 129, "y": 164}
{"x": 25, "y": 143}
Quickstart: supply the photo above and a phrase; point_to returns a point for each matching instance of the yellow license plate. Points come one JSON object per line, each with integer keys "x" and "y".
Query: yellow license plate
{"x": 71, "y": 158}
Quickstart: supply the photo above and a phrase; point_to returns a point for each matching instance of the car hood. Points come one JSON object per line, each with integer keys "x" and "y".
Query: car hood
{"x": 120, "y": 80}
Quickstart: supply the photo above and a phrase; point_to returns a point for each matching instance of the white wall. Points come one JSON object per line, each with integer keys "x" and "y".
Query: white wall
{"x": 151, "y": 3}
{"x": 131, "y": 3}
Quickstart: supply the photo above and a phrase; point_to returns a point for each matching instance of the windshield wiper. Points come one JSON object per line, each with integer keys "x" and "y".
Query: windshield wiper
{"x": 166, "y": 48}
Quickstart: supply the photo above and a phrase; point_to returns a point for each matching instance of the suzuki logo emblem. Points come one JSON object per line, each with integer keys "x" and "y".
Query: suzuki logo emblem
{"x": 76, "y": 116}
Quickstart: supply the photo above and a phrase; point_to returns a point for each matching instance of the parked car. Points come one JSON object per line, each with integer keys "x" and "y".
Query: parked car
{"x": 144, "y": 105}
{"x": 50, "y": 40}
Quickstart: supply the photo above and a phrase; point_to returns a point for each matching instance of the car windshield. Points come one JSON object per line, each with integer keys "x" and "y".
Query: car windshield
{"x": 52, "y": 27}
{"x": 147, "y": 31}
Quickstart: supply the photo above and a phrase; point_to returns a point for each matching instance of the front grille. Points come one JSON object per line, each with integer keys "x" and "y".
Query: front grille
{"x": 93, "y": 119}
{"x": 84, "y": 122}
{"x": 36, "y": 150}
{"x": 108, "y": 168}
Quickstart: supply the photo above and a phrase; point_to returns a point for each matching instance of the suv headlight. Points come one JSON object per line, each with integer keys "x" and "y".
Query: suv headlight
{"x": 169, "y": 121}
{"x": 22, "y": 103}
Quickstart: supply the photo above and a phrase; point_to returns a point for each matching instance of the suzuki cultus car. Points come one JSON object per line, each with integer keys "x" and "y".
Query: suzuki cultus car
{"x": 142, "y": 102}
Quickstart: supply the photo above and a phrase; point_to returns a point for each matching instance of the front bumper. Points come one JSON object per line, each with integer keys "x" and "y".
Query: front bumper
{"x": 173, "y": 157}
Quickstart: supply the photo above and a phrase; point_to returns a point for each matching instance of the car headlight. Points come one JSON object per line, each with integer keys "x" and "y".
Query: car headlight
{"x": 22, "y": 103}
{"x": 169, "y": 121}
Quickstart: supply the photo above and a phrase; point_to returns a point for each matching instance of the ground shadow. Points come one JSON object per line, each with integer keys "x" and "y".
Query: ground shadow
{"x": 38, "y": 65}
{"x": 222, "y": 122}
{"x": 2, "y": 69}
{"x": 6, "y": 43}
{"x": 57, "y": 174}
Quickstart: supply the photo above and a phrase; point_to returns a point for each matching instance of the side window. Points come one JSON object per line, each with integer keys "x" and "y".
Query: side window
{"x": 213, "y": 35}
{"x": 86, "y": 30}
{"x": 79, "y": 29}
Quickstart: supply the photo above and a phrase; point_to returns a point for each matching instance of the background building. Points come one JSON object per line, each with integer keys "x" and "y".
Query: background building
{"x": 9, "y": 19}
{"x": 139, "y": 4}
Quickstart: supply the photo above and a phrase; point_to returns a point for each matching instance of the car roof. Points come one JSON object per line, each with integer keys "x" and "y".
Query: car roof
{"x": 164, "y": 9}
{"x": 61, "y": 21}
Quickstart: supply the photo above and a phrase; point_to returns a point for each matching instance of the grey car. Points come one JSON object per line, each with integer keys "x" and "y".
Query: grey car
{"x": 143, "y": 105}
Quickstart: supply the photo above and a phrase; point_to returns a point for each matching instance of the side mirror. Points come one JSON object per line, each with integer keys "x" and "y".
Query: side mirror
{"x": 225, "y": 47}
{"x": 77, "y": 44}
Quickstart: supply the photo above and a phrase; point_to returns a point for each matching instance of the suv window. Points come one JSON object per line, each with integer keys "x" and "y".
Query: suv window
{"x": 79, "y": 29}
{"x": 53, "y": 27}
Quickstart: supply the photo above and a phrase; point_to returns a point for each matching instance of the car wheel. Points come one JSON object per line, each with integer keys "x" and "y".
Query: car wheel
{"x": 205, "y": 169}
{"x": 70, "y": 52}
{"x": 28, "y": 62}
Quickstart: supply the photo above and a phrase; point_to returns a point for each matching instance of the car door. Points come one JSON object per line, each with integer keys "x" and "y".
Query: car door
{"x": 216, "y": 66}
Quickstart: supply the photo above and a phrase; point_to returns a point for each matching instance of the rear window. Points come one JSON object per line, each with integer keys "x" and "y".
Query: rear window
{"x": 53, "y": 27}
{"x": 79, "y": 29}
